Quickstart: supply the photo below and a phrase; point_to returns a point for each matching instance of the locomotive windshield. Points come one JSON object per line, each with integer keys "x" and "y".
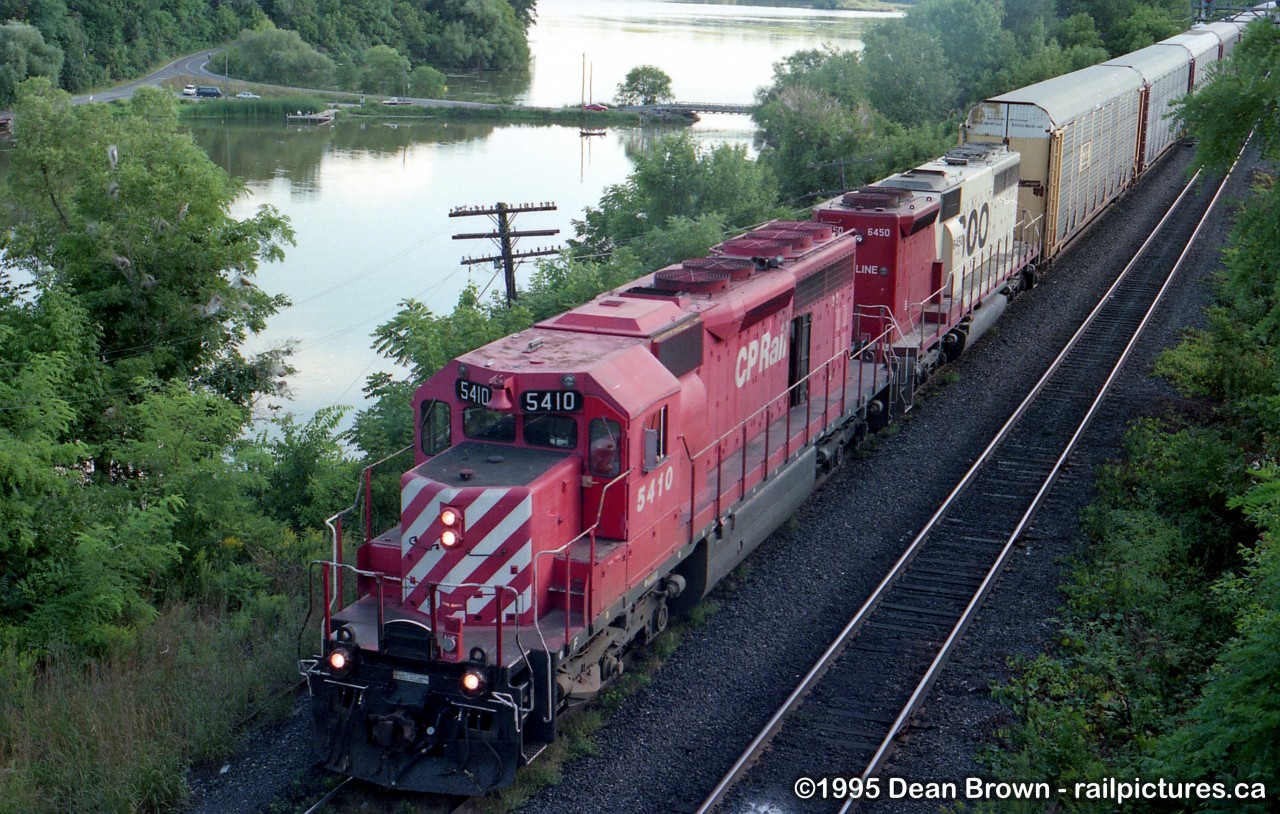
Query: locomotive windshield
{"x": 482, "y": 424}
{"x": 551, "y": 430}
{"x": 435, "y": 433}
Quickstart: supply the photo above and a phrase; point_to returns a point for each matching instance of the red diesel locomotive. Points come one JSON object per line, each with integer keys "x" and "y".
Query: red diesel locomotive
{"x": 574, "y": 481}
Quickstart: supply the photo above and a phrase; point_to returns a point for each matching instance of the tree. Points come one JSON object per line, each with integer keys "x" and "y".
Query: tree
{"x": 1145, "y": 26}
{"x": 837, "y": 72}
{"x": 385, "y": 71}
{"x": 477, "y": 34}
{"x": 678, "y": 178}
{"x": 914, "y": 81}
{"x": 644, "y": 85}
{"x": 1122, "y": 23}
{"x": 133, "y": 219}
{"x": 1243, "y": 96}
{"x": 427, "y": 82}
{"x": 23, "y": 54}
{"x": 812, "y": 141}
{"x": 278, "y": 56}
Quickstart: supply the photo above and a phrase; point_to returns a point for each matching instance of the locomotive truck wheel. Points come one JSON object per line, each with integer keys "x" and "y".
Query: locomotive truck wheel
{"x": 837, "y": 456}
{"x": 660, "y": 617}
{"x": 611, "y": 666}
{"x": 1030, "y": 277}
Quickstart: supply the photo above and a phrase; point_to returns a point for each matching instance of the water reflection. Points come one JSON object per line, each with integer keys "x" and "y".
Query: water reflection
{"x": 370, "y": 206}
{"x": 259, "y": 152}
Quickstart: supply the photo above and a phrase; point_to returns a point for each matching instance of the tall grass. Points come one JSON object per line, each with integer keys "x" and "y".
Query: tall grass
{"x": 117, "y": 735}
{"x": 274, "y": 108}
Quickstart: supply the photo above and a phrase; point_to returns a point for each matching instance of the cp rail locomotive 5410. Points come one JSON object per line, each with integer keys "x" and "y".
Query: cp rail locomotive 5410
{"x": 571, "y": 483}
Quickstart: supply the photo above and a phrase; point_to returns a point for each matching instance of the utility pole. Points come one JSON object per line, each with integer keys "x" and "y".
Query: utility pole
{"x": 505, "y": 237}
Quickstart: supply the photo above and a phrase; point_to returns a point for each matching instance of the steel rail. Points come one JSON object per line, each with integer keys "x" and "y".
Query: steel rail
{"x": 324, "y": 801}
{"x": 757, "y": 746}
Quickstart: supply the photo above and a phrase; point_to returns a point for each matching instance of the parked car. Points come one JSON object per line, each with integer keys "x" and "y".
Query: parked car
{"x": 396, "y": 101}
{"x": 244, "y": 94}
{"x": 188, "y": 90}
{"x": 209, "y": 92}
{"x": 595, "y": 106}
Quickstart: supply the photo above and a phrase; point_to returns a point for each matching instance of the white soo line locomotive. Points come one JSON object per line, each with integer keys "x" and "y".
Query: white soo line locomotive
{"x": 574, "y": 482}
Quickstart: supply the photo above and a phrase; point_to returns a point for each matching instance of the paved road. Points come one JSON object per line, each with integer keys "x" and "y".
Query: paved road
{"x": 193, "y": 65}
{"x": 197, "y": 65}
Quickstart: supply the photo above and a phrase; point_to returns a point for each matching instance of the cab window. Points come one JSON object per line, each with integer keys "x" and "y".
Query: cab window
{"x": 551, "y": 430}
{"x": 483, "y": 424}
{"x": 435, "y": 427}
{"x": 605, "y": 451}
{"x": 655, "y": 439}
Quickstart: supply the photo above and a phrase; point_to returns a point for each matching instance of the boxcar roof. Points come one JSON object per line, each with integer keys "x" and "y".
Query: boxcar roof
{"x": 1154, "y": 61}
{"x": 1198, "y": 43}
{"x": 1067, "y": 97}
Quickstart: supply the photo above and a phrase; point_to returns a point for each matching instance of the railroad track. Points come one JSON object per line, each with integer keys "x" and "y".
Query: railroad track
{"x": 353, "y": 796}
{"x": 329, "y": 797}
{"x": 839, "y": 724}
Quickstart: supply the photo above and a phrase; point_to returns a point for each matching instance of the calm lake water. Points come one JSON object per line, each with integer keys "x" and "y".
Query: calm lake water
{"x": 369, "y": 202}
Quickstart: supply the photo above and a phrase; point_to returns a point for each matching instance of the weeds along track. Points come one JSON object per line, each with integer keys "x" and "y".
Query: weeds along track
{"x": 842, "y": 719}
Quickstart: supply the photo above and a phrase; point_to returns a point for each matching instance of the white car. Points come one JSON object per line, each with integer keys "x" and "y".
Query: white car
{"x": 244, "y": 94}
{"x": 188, "y": 90}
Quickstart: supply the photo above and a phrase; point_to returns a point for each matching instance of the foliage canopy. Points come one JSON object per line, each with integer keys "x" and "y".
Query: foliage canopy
{"x": 644, "y": 85}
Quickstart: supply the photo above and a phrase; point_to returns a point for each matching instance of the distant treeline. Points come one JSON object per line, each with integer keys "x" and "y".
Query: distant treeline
{"x": 92, "y": 42}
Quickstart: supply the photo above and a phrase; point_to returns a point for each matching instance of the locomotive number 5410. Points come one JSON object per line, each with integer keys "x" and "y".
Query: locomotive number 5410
{"x": 658, "y": 486}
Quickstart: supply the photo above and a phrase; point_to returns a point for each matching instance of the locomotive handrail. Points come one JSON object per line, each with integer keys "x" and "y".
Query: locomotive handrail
{"x": 869, "y": 311}
{"x": 583, "y": 534}
{"x": 785, "y": 394}
{"x": 432, "y": 594}
{"x": 843, "y": 356}
{"x": 377, "y": 576}
{"x": 334, "y": 522}
{"x": 1034, "y": 225}
{"x": 587, "y": 595}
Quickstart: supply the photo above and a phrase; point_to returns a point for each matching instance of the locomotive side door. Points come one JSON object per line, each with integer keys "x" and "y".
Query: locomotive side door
{"x": 801, "y": 330}
{"x": 606, "y": 461}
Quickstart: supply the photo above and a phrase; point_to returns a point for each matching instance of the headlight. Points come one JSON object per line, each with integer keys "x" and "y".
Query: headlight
{"x": 341, "y": 660}
{"x": 451, "y": 519}
{"x": 473, "y": 682}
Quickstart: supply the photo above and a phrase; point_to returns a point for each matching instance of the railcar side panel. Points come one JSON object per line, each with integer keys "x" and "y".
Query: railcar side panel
{"x": 1165, "y": 70}
{"x": 1078, "y": 137}
{"x": 1202, "y": 48}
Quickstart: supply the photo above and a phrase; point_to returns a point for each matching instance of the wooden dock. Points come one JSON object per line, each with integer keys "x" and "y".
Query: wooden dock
{"x": 323, "y": 117}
